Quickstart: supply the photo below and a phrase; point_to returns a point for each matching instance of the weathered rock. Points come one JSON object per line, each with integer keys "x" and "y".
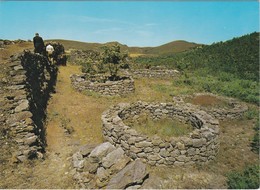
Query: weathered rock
{"x": 198, "y": 142}
{"x": 31, "y": 140}
{"x": 86, "y": 149}
{"x": 113, "y": 157}
{"x": 24, "y": 105}
{"x": 100, "y": 151}
{"x": 90, "y": 167}
{"x": 153, "y": 182}
{"x": 133, "y": 174}
{"x": 77, "y": 160}
{"x": 119, "y": 165}
{"x": 102, "y": 174}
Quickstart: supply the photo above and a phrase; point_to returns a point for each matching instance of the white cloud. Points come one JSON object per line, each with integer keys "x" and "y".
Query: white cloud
{"x": 151, "y": 24}
{"x": 107, "y": 30}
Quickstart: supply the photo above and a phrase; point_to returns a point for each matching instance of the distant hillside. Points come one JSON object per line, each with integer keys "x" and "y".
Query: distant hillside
{"x": 172, "y": 47}
{"x": 239, "y": 56}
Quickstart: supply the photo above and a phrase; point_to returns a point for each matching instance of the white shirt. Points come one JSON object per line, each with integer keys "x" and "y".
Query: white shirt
{"x": 49, "y": 49}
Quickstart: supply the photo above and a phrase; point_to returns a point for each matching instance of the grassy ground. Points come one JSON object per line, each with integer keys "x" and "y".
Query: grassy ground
{"x": 74, "y": 120}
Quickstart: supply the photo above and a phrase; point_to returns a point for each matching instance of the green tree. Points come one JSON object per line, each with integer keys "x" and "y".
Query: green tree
{"x": 113, "y": 58}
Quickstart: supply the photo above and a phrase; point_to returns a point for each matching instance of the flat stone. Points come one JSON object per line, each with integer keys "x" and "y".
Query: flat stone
{"x": 135, "y": 150}
{"x": 133, "y": 174}
{"x": 101, "y": 151}
{"x": 112, "y": 157}
{"x": 154, "y": 157}
{"x": 85, "y": 150}
{"x": 22, "y": 158}
{"x": 143, "y": 144}
{"x": 198, "y": 142}
{"x": 119, "y": 165}
{"x": 18, "y": 117}
{"x": 24, "y": 105}
{"x": 30, "y": 140}
{"x": 180, "y": 146}
{"x": 181, "y": 158}
{"x": 90, "y": 167}
{"x": 102, "y": 174}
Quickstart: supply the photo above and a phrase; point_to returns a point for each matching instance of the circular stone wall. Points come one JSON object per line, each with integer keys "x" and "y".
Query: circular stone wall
{"x": 234, "y": 110}
{"x": 200, "y": 146}
{"x": 107, "y": 87}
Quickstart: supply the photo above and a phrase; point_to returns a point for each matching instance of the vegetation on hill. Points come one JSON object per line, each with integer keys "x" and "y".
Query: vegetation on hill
{"x": 172, "y": 47}
{"x": 230, "y": 68}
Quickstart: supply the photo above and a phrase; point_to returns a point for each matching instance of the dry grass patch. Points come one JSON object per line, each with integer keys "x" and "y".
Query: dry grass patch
{"x": 209, "y": 101}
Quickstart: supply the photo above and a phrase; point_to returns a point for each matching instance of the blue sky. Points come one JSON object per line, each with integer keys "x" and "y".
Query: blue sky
{"x": 145, "y": 23}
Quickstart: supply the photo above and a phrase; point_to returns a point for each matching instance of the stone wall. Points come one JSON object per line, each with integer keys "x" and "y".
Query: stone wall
{"x": 200, "y": 146}
{"x": 154, "y": 73}
{"x": 27, "y": 91}
{"x": 236, "y": 108}
{"x": 108, "y": 88}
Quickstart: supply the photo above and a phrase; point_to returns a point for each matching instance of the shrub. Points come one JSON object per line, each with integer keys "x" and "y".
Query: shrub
{"x": 246, "y": 179}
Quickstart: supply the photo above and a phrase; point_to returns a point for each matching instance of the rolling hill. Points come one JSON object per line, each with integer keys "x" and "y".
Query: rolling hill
{"x": 172, "y": 47}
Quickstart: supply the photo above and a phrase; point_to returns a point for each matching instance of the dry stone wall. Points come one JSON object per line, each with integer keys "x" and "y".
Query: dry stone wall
{"x": 26, "y": 94}
{"x": 154, "y": 73}
{"x": 200, "y": 146}
{"x": 236, "y": 109}
{"x": 107, "y": 88}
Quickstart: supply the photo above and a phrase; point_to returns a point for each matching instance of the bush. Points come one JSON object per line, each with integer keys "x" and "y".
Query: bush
{"x": 246, "y": 179}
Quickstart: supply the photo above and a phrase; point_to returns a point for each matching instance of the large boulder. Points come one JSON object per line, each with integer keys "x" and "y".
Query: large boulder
{"x": 101, "y": 151}
{"x": 133, "y": 174}
{"x": 113, "y": 157}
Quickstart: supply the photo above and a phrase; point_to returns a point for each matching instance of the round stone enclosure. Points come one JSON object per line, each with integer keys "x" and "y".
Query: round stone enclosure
{"x": 218, "y": 106}
{"x": 102, "y": 85}
{"x": 199, "y": 146}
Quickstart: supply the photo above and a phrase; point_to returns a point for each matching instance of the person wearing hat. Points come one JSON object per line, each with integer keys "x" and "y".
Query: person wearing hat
{"x": 38, "y": 44}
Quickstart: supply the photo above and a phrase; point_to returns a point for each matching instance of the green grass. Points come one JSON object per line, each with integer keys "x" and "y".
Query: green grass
{"x": 164, "y": 127}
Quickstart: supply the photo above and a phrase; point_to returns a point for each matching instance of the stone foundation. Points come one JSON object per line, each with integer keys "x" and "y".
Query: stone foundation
{"x": 236, "y": 111}
{"x": 200, "y": 146}
{"x": 107, "y": 87}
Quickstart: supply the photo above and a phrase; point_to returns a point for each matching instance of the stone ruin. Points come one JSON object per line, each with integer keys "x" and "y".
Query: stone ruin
{"x": 106, "y": 166}
{"x": 25, "y": 91}
{"x": 106, "y": 87}
{"x": 154, "y": 73}
{"x": 200, "y": 146}
{"x": 235, "y": 110}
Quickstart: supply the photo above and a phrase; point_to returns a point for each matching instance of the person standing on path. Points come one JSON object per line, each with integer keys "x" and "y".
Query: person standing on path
{"x": 38, "y": 44}
{"x": 49, "y": 50}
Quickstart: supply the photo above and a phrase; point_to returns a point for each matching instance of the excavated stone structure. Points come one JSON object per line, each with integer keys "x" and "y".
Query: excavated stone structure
{"x": 121, "y": 87}
{"x": 199, "y": 146}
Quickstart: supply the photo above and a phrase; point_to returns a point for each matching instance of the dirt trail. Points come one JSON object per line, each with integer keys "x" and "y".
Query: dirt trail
{"x": 66, "y": 130}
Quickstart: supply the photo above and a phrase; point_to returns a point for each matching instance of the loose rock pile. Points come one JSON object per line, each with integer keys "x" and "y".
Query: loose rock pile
{"x": 107, "y": 166}
{"x": 108, "y": 88}
{"x": 237, "y": 111}
{"x": 200, "y": 146}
